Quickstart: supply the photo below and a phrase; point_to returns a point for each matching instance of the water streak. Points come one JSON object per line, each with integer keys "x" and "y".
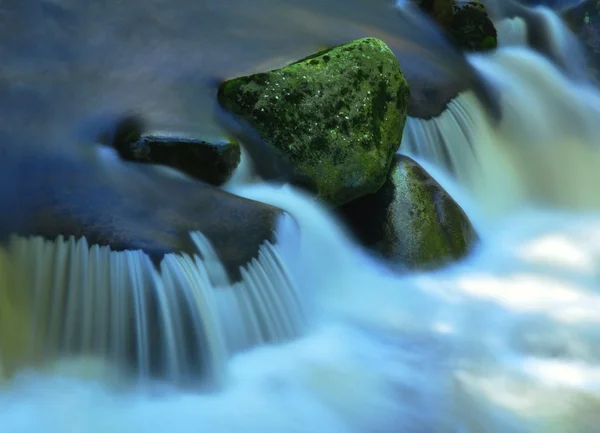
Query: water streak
{"x": 319, "y": 335}
{"x": 542, "y": 154}
{"x": 390, "y": 351}
{"x": 175, "y": 323}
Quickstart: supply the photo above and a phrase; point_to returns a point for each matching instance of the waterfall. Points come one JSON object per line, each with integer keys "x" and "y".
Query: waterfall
{"x": 320, "y": 336}
{"x": 177, "y": 323}
{"x": 542, "y": 154}
{"x": 547, "y": 128}
{"x": 507, "y": 339}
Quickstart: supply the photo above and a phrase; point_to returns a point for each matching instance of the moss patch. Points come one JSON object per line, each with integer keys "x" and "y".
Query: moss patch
{"x": 432, "y": 228}
{"x": 336, "y": 117}
{"x": 471, "y": 28}
{"x": 466, "y": 24}
{"x": 411, "y": 221}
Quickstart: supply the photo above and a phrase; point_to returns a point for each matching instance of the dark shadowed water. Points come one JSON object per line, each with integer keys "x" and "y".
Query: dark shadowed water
{"x": 68, "y": 60}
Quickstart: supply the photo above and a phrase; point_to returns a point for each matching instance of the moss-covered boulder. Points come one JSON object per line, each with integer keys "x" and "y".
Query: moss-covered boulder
{"x": 471, "y": 28}
{"x": 411, "y": 220}
{"x": 466, "y": 23}
{"x": 441, "y": 11}
{"x": 335, "y": 118}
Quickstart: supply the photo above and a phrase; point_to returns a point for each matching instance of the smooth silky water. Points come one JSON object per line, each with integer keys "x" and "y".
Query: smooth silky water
{"x": 319, "y": 336}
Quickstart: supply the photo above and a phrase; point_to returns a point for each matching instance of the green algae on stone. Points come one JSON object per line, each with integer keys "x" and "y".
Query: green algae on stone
{"x": 411, "y": 220}
{"x": 336, "y": 118}
{"x": 16, "y": 321}
{"x": 442, "y": 11}
{"x": 433, "y": 228}
{"x": 471, "y": 28}
{"x": 467, "y": 24}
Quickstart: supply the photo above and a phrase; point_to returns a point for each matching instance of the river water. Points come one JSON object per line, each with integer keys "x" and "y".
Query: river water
{"x": 319, "y": 336}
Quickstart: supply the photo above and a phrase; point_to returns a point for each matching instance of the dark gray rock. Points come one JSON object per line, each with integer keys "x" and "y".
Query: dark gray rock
{"x": 411, "y": 220}
{"x": 211, "y": 161}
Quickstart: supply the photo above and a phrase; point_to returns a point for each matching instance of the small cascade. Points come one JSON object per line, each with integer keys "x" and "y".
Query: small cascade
{"x": 511, "y": 31}
{"x": 454, "y": 144}
{"x": 244, "y": 174}
{"x": 541, "y": 29}
{"x": 507, "y": 339}
{"x": 177, "y": 323}
{"x": 319, "y": 336}
{"x": 435, "y": 139}
{"x": 540, "y": 154}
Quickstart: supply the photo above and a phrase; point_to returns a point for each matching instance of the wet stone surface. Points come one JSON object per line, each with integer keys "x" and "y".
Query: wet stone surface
{"x": 411, "y": 220}
{"x": 335, "y": 118}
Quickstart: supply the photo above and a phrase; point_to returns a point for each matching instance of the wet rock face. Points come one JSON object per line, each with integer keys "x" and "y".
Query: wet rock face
{"x": 133, "y": 206}
{"x": 334, "y": 119}
{"x": 471, "y": 29}
{"x": 411, "y": 220}
{"x": 466, "y": 22}
{"x": 211, "y": 161}
{"x": 442, "y": 11}
{"x": 584, "y": 21}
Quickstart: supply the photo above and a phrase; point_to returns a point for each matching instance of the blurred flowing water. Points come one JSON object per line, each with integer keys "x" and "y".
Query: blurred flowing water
{"x": 318, "y": 335}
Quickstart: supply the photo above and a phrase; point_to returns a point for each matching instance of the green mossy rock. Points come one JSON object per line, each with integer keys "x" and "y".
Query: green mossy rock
{"x": 442, "y": 11}
{"x": 466, "y": 23}
{"x": 471, "y": 28}
{"x": 411, "y": 220}
{"x": 335, "y": 118}
{"x": 433, "y": 228}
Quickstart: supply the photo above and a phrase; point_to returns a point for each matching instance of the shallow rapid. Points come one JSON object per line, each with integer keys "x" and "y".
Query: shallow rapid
{"x": 506, "y": 340}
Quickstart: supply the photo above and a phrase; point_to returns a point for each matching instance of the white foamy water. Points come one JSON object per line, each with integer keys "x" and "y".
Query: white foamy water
{"x": 543, "y": 153}
{"x": 507, "y": 340}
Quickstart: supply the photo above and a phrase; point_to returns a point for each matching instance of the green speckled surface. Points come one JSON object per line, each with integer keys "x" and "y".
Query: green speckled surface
{"x": 337, "y": 116}
{"x": 432, "y": 227}
{"x": 411, "y": 220}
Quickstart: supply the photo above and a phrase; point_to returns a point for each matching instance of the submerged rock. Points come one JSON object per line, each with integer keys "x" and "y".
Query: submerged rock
{"x": 213, "y": 162}
{"x": 466, "y": 22}
{"x": 210, "y": 161}
{"x": 411, "y": 220}
{"x": 332, "y": 121}
{"x": 79, "y": 189}
{"x": 124, "y": 206}
{"x": 136, "y": 207}
{"x": 471, "y": 28}
{"x": 442, "y": 11}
